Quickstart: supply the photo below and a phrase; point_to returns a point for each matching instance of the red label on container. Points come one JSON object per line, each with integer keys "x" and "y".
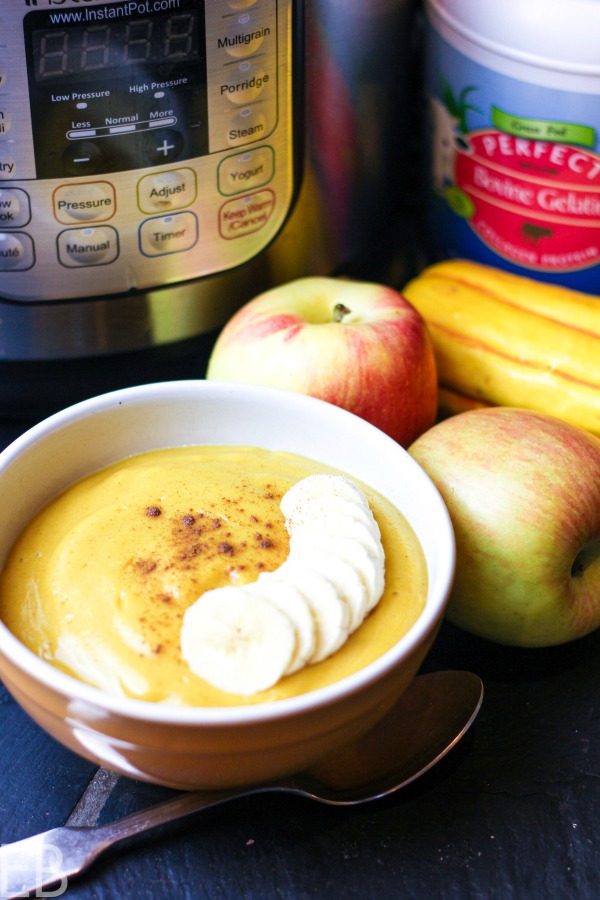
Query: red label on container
{"x": 535, "y": 203}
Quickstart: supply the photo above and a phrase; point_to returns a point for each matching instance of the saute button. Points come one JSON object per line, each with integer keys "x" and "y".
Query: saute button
{"x": 16, "y": 251}
{"x": 87, "y": 246}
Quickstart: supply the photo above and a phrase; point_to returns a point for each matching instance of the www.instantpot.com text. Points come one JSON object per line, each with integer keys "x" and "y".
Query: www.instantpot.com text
{"x": 118, "y": 11}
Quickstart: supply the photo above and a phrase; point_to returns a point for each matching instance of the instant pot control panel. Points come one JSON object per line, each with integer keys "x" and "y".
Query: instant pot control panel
{"x": 142, "y": 142}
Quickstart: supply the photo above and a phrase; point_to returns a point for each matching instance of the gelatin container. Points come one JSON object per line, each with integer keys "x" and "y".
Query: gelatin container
{"x": 513, "y": 95}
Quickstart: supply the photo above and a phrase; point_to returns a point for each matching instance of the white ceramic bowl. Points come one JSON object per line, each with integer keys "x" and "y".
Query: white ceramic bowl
{"x": 201, "y": 747}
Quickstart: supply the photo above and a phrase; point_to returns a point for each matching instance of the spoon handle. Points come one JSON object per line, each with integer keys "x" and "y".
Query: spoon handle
{"x": 53, "y": 856}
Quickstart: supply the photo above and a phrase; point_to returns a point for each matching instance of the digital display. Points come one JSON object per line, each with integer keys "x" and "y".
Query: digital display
{"x": 117, "y": 86}
{"x": 91, "y": 48}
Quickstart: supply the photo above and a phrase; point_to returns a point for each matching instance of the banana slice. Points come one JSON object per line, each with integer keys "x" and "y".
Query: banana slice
{"x": 330, "y": 612}
{"x": 334, "y": 528}
{"x": 243, "y": 639}
{"x": 320, "y": 486}
{"x": 286, "y": 596}
{"x": 237, "y": 640}
{"x": 348, "y": 582}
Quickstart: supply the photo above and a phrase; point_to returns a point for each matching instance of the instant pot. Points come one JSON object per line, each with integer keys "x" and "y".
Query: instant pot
{"x": 163, "y": 161}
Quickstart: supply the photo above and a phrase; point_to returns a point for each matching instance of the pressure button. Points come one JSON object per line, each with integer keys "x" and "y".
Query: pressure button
{"x": 91, "y": 202}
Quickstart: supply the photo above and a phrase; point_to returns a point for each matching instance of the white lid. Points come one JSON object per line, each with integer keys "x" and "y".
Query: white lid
{"x": 563, "y": 34}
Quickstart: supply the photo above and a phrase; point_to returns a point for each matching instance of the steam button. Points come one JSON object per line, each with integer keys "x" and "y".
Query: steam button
{"x": 248, "y": 125}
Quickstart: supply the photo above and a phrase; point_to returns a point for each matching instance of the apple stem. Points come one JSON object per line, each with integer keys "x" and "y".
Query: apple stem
{"x": 339, "y": 311}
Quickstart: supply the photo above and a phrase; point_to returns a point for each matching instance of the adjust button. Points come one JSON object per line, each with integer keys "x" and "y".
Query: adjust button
{"x": 87, "y": 246}
{"x": 167, "y": 190}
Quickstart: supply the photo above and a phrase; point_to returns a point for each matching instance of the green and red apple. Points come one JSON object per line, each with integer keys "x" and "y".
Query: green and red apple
{"x": 523, "y": 492}
{"x": 355, "y": 344}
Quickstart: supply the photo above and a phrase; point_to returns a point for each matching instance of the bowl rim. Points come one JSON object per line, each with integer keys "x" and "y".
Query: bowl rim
{"x": 74, "y": 690}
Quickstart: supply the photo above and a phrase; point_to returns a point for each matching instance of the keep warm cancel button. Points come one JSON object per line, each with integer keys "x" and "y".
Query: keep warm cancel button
{"x": 245, "y": 215}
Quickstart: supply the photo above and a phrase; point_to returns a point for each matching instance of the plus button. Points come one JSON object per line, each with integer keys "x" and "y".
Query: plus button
{"x": 164, "y": 146}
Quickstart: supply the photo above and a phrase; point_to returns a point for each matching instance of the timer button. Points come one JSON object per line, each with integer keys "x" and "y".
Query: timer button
{"x": 169, "y": 234}
{"x": 16, "y": 251}
{"x": 87, "y": 246}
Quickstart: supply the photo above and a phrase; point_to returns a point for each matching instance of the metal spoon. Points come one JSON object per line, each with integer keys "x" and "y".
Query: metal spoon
{"x": 425, "y": 724}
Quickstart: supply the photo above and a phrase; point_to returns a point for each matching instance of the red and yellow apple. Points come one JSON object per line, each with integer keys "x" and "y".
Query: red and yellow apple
{"x": 523, "y": 492}
{"x": 355, "y": 344}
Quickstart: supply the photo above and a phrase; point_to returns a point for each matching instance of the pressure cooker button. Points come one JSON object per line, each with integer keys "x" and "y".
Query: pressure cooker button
{"x": 246, "y": 171}
{"x": 244, "y": 83}
{"x": 248, "y": 125}
{"x": 82, "y": 158}
{"x": 163, "y": 145}
{"x": 167, "y": 190}
{"x": 84, "y": 202}
{"x": 15, "y": 208}
{"x": 16, "y": 251}
{"x": 168, "y": 234}
{"x": 87, "y": 246}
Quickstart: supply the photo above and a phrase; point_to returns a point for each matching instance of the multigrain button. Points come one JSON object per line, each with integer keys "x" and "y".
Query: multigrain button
{"x": 16, "y": 251}
{"x": 243, "y": 35}
{"x": 167, "y": 190}
{"x": 168, "y": 234}
{"x": 88, "y": 246}
{"x": 92, "y": 202}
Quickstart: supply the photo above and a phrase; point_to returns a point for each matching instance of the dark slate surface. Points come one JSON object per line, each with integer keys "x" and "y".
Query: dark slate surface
{"x": 512, "y": 813}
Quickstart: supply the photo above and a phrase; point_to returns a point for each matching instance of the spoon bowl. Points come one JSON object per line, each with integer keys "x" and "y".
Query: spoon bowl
{"x": 440, "y": 708}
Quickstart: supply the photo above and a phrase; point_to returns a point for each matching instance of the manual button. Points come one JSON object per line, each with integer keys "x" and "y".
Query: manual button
{"x": 88, "y": 202}
{"x": 87, "y": 246}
